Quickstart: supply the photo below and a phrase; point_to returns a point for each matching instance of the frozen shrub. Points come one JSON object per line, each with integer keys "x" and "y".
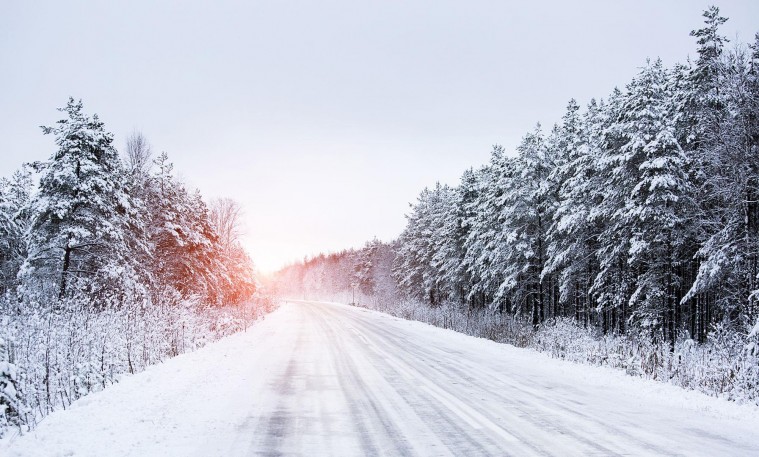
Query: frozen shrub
{"x": 63, "y": 353}
{"x": 564, "y": 339}
{"x": 12, "y": 407}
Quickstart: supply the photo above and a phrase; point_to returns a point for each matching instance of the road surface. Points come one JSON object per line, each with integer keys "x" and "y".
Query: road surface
{"x": 323, "y": 379}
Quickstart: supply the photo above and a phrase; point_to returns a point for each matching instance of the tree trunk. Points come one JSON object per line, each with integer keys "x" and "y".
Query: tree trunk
{"x": 64, "y": 272}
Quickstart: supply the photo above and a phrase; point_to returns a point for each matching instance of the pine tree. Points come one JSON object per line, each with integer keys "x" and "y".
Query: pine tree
{"x": 417, "y": 272}
{"x": 449, "y": 258}
{"x": 187, "y": 255}
{"x": 484, "y": 224}
{"x": 526, "y": 215}
{"x": 573, "y": 235}
{"x": 15, "y": 195}
{"x": 78, "y": 234}
{"x": 653, "y": 170}
{"x": 364, "y": 267}
{"x": 724, "y": 111}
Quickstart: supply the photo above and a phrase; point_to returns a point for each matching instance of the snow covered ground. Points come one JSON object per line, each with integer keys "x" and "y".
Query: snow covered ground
{"x": 327, "y": 379}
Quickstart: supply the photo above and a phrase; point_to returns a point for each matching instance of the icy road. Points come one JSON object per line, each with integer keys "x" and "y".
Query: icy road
{"x": 323, "y": 379}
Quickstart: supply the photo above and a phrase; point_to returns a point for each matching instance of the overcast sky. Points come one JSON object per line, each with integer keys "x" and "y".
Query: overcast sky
{"x": 324, "y": 119}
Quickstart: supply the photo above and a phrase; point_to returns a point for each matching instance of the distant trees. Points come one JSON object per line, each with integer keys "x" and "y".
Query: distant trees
{"x": 361, "y": 274}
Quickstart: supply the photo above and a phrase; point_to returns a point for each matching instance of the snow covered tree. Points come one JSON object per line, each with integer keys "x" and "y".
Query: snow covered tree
{"x": 186, "y": 251}
{"x": 614, "y": 280}
{"x": 416, "y": 269}
{"x": 705, "y": 75}
{"x": 573, "y": 234}
{"x": 81, "y": 213}
{"x": 446, "y": 244}
{"x": 385, "y": 288}
{"x": 225, "y": 217}
{"x": 138, "y": 154}
{"x": 364, "y": 276}
{"x": 12, "y": 408}
{"x": 528, "y": 210}
{"x": 651, "y": 170}
{"x": 722, "y": 110}
{"x": 449, "y": 257}
{"x": 15, "y": 195}
{"x": 484, "y": 229}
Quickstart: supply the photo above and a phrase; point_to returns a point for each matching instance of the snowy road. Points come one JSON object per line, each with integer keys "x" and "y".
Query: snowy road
{"x": 321, "y": 379}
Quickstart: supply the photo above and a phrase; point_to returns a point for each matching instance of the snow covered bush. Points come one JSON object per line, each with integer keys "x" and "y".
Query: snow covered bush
{"x": 12, "y": 405}
{"x": 72, "y": 350}
{"x": 564, "y": 339}
{"x": 726, "y": 365}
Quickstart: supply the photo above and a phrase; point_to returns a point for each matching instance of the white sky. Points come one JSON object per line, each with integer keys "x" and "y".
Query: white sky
{"x": 325, "y": 119}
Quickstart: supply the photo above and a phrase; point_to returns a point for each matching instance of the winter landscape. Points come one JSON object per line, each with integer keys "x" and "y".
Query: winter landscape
{"x": 331, "y": 258}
